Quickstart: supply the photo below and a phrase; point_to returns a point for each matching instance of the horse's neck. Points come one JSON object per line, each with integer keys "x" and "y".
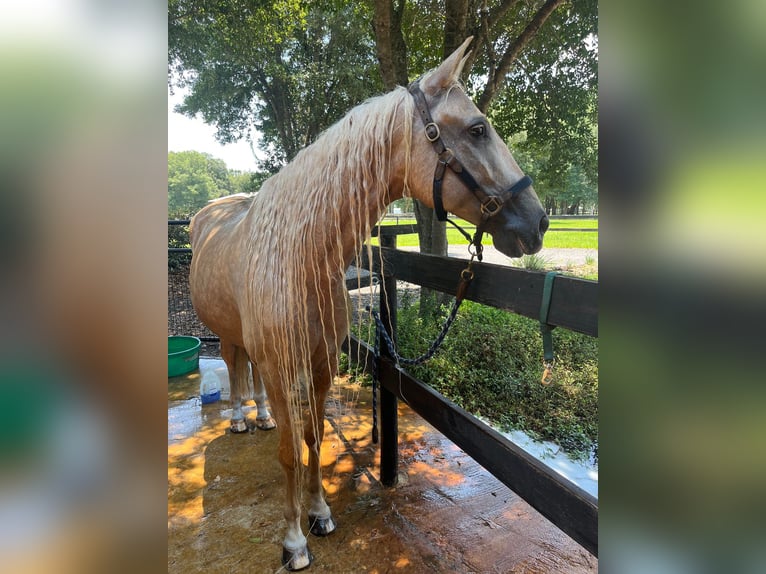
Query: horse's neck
{"x": 334, "y": 226}
{"x": 325, "y": 203}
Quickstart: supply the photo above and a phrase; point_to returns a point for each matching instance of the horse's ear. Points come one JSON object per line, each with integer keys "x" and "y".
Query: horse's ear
{"x": 448, "y": 72}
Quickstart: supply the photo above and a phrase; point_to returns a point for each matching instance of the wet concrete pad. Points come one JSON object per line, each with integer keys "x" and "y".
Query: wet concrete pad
{"x": 225, "y": 500}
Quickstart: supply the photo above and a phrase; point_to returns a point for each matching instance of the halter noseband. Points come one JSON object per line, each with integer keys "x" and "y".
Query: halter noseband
{"x": 491, "y": 205}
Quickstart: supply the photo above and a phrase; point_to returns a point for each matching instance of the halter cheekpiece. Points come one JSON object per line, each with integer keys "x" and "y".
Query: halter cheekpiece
{"x": 491, "y": 204}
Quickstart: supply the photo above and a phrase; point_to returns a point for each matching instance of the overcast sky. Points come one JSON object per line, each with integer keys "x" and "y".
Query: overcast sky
{"x": 187, "y": 134}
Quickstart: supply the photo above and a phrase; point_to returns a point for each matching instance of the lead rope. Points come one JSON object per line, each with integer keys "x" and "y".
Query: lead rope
{"x": 380, "y": 331}
{"x": 466, "y": 276}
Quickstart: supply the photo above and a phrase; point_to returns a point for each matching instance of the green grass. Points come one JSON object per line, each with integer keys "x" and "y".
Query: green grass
{"x": 574, "y": 223}
{"x": 571, "y": 239}
{"x": 557, "y": 239}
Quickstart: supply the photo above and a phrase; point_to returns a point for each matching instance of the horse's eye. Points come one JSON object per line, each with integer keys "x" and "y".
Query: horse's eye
{"x": 477, "y": 130}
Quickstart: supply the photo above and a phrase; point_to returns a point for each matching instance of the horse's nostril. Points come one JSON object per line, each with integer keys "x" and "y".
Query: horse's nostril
{"x": 544, "y": 223}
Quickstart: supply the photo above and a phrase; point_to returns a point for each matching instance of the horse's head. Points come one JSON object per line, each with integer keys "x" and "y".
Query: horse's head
{"x": 458, "y": 160}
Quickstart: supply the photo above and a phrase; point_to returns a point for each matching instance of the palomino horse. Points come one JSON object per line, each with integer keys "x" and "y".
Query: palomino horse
{"x": 267, "y": 273}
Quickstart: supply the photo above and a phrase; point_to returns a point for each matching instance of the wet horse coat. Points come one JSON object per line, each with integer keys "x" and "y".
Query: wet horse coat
{"x": 267, "y": 272}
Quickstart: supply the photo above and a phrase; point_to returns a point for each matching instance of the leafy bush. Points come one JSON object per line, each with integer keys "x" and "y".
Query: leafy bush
{"x": 491, "y": 364}
{"x": 178, "y": 236}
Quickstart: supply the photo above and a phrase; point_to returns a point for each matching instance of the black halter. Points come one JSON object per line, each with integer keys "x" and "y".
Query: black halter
{"x": 491, "y": 205}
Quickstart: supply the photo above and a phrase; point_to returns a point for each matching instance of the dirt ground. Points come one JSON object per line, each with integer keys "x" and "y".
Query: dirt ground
{"x": 447, "y": 514}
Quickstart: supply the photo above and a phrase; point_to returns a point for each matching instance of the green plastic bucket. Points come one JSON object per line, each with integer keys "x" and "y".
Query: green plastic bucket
{"x": 183, "y": 355}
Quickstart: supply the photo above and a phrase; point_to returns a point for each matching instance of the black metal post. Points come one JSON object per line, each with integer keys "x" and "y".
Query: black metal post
{"x": 389, "y": 414}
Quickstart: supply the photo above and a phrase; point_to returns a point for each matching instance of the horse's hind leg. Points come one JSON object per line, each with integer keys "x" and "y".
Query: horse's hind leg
{"x": 264, "y": 420}
{"x": 321, "y": 522}
{"x": 237, "y": 364}
{"x": 295, "y": 551}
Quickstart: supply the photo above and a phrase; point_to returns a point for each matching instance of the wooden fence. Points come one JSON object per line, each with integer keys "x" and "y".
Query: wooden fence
{"x": 573, "y": 306}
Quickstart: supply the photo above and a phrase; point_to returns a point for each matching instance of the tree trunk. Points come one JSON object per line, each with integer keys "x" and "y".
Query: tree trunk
{"x": 572, "y": 209}
{"x": 432, "y": 235}
{"x": 550, "y": 205}
{"x": 431, "y": 232}
{"x": 455, "y": 25}
{"x": 389, "y": 43}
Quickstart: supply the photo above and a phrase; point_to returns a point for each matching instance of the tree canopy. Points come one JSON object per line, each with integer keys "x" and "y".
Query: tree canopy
{"x": 285, "y": 70}
{"x": 281, "y": 69}
{"x": 194, "y": 178}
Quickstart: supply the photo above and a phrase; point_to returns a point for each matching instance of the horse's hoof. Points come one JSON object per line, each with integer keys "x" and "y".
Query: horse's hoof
{"x": 238, "y": 426}
{"x": 294, "y": 560}
{"x": 265, "y": 423}
{"x": 321, "y": 526}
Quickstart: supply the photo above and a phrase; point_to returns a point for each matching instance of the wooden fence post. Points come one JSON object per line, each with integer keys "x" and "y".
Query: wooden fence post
{"x": 389, "y": 414}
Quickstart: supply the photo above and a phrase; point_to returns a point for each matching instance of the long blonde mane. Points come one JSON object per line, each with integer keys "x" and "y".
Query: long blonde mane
{"x": 309, "y": 222}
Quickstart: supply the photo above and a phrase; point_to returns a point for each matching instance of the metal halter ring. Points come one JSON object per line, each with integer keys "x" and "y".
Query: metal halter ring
{"x": 475, "y": 250}
{"x": 429, "y": 130}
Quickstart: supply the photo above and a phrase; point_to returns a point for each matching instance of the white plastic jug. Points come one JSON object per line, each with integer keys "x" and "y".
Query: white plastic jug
{"x": 210, "y": 387}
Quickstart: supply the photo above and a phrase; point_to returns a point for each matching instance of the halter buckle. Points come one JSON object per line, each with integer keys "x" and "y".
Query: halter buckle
{"x": 491, "y": 206}
{"x": 432, "y": 128}
{"x": 447, "y": 156}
